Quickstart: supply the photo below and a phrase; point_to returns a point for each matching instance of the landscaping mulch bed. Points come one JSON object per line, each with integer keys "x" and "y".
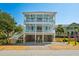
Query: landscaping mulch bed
{"x": 6, "y": 47}
{"x": 51, "y": 47}
{"x": 61, "y": 47}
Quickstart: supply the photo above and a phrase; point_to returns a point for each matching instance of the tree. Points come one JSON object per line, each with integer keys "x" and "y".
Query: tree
{"x": 75, "y": 28}
{"x": 19, "y": 28}
{"x": 7, "y": 23}
{"x": 75, "y": 34}
{"x": 59, "y": 30}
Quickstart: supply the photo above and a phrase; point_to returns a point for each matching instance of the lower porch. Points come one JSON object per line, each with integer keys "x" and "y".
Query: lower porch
{"x": 38, "y": 38}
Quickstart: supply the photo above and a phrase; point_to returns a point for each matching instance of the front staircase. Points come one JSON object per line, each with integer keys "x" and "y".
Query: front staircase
{"x": 16, "y": 35}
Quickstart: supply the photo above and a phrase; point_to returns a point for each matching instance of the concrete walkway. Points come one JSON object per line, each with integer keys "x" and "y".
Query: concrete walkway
{"x": 39, "y": 48}
{"x": 44, "y": 46}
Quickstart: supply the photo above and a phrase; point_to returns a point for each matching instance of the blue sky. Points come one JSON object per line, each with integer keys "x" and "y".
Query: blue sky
{"x": 66, "y": 13}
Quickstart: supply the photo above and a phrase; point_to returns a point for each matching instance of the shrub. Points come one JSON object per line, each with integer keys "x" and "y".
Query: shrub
{"x": 65, "y": 40}
{"x": 59, "y": 39}
{"x": 5, "y": 42}
{"x": 3, "y": 36}
{"x": 19, "y": 41}
{"x": 1, "y": 42}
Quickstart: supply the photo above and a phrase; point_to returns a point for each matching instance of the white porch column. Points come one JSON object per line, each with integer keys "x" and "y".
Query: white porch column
{"x": 54, "y": 29}
{"x": 43, "y": 29}
{"x": 35, "y": 37}
{"x": 35, "y": 29}
{"x": 43, "y": 32}
{"x": 43, "y": 38}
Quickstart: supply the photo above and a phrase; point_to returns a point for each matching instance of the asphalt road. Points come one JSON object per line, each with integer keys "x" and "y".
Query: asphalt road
{"x": 39, "y": 53}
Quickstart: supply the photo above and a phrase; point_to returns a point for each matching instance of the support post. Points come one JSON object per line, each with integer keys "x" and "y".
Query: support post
{"x": 35, "y": 38}
{"x": 35, "y": 33}
{"x": 43, "y": 29}
{"x": 54, "y": 29}
{"x": 43, "y": 38}
{"x": 43, "y": 32}
{"x": 35, "y": 28}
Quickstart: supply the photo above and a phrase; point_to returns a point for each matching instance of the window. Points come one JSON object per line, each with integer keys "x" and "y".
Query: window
{"x": 32, "y": 28}
{"x": 27, "y": 16}
{"x": 45, "y": 16}
{"x": 28, "y": 27}
{"x": 72, "y": 33}
{"x": 30, "y": 18}
{"x": 39, "y": 28}
{"x": 46, "y": 28}
{"x": 39, "y": 18}
{"x": 76, "y": 33}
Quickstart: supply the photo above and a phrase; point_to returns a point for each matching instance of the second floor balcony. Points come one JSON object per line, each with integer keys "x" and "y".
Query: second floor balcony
{"x": 39, "y": 20}
{"x": 39, "y": 30}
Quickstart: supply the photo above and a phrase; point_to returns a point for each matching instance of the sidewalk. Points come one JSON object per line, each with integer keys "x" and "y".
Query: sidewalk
{"x": 39, "y": 53}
